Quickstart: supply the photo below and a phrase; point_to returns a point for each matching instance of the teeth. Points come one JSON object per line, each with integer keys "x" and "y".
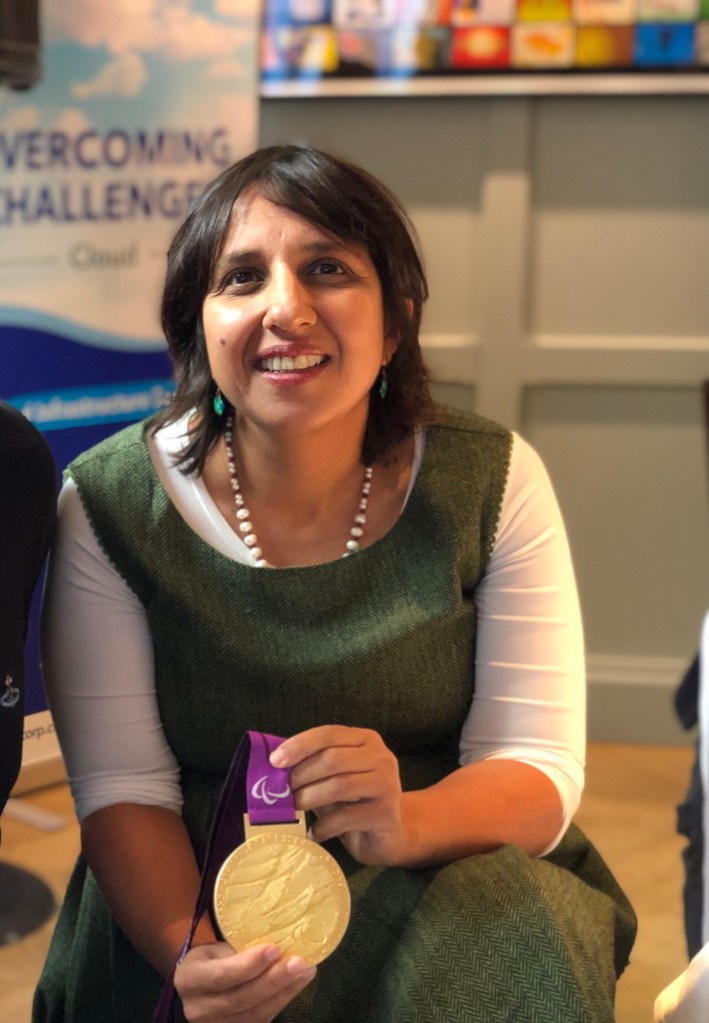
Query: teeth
{"x": 284, "y": 363}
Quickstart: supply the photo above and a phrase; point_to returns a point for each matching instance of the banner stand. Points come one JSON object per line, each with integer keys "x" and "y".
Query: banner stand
{"x": 100, "y": 160}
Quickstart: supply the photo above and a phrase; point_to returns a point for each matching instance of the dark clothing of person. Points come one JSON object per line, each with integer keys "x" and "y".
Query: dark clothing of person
{"x": 27, "y": 517}
{"x": 687, "y": 696}
{"x": 690, "y": 817}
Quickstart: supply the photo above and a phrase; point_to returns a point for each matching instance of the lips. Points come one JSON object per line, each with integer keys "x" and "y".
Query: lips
{"x": 290, "y": 363}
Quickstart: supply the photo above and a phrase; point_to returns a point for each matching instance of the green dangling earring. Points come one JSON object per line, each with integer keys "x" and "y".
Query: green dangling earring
{"x": 383, "y": 384}
{"x": 218, "y": 403}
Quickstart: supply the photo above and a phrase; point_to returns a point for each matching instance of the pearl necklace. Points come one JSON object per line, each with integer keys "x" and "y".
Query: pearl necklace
{"x": 243, "y": 515}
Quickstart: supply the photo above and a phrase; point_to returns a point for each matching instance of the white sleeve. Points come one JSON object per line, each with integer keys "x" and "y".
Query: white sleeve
{"x": 685, "y": 1000}
{"x": 98, "y": 665}
{"x": 530, "y": 701}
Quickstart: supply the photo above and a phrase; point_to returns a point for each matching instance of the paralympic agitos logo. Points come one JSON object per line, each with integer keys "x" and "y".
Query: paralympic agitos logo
{"x": 261, "y": 791}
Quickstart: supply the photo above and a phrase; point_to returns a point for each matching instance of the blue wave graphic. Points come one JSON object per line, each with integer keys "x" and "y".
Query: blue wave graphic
{"x": 94, "y": 404}
{"x": 16, "y": 316}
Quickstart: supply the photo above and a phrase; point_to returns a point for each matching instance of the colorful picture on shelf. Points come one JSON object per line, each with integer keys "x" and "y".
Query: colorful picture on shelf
{"x": 485, "y": 47}
{"x": 604, "y": 12}
{"x": 482, "y": 12}
{"x": 604, "y": 46}
{"x": 326, "y": 41}
{"x": 702, "y": 43}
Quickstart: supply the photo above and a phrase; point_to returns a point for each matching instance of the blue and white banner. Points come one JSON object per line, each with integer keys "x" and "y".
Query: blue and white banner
{"x": 140, "y": 104}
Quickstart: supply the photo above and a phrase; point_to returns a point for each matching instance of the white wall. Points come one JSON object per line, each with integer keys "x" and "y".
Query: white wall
{"x": 567, "y": 249}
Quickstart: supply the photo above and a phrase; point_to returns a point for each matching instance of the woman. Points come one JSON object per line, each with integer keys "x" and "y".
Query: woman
{"x": 199, "y": 589}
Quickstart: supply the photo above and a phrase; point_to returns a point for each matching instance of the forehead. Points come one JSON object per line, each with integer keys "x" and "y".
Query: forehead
{"x": 256, "y": 221}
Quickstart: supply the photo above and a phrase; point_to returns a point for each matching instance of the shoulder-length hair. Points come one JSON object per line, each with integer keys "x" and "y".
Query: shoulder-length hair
{"x": 341, "y": 199}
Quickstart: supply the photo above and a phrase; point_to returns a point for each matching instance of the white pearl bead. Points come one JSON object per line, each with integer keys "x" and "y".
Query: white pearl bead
{"x": 243, "y": 514}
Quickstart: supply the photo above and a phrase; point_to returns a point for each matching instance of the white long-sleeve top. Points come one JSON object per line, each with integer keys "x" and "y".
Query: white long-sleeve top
{"x": 529, "y": 702}
{"x": 685, "y": 1000}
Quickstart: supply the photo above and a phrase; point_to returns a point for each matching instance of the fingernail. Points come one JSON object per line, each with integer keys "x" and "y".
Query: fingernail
{"x": 297, "y": 967}
{"x": 278, "y": 758}
{"x": 272, "y": 954}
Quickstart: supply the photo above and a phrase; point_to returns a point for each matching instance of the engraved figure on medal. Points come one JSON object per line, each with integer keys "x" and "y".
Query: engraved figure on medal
{"x": 283, "y": 888}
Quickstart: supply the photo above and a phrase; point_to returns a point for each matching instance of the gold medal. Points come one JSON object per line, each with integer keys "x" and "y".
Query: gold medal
{"x": 280, "y": 887}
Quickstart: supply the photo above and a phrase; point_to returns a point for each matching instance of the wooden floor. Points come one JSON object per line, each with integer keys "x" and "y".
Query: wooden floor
{"x": 628, "y": 810}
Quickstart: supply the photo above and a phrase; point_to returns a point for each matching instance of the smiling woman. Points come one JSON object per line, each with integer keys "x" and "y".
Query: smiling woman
{"x": 283, "y": 291}
{"x": 344, "y": 210}
{"x": 302, "y": 544}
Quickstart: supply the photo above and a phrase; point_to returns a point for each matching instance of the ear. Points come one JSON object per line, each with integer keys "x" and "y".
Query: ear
{"x": 391, "y": 341}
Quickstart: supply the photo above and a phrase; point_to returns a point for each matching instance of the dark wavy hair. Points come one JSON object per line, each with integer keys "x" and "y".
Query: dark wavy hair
{"x": 345, "y": 201}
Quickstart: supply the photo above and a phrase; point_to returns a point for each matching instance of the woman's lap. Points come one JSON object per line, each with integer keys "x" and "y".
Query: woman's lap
{"x": 494, "y": 938}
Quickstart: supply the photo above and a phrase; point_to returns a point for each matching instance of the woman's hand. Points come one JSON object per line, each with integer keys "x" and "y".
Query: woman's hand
{"x": 218, "y": 985}
{"x": 350, "y": 779}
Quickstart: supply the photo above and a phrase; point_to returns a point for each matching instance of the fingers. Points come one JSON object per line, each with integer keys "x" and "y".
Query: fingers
{"x": 345, "y": 819}
{"x": 306, "y": 744}
{"x": 330, "y": 778}
{"x": 218, "y": 985}
{"x": 218, "y": 965}
{"x": 334, "y": 764}
{"x": 268, "y": 1010}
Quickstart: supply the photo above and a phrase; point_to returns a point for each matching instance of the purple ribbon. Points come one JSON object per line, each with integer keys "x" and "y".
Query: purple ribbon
{"x": 252, "y": 785}
{"x": 269, "y": 799}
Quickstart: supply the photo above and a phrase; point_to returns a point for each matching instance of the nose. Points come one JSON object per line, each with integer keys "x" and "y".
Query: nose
{"x": 288, "y": 303}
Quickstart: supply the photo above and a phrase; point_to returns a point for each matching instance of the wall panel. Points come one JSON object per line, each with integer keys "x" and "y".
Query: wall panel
{"x": 566, "y": 242}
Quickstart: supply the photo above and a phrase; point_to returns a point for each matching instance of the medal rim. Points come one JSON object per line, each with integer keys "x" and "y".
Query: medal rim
{"x": 282, "y": 839}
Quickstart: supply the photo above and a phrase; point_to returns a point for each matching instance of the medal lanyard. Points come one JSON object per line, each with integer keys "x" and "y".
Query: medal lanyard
{"x": 264, "y": 791}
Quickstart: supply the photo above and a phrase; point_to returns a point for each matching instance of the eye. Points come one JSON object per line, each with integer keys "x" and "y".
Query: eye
{"x": 242, "y": 277}
{"x": 327, "y": 268}
{"x": 239, "y": 280}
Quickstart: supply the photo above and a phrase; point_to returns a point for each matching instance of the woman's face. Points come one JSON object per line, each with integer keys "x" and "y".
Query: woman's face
{"x": 293, "y": 322}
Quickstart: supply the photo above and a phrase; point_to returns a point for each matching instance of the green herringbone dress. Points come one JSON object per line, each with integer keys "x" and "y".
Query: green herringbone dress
{"x": 381, "y": 640}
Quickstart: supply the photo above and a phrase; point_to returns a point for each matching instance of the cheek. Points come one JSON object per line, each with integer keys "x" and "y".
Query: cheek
{"x": 221, "y": 324}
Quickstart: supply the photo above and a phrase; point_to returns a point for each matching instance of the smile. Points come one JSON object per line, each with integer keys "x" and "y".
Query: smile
{"x": 287, "y": 364}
